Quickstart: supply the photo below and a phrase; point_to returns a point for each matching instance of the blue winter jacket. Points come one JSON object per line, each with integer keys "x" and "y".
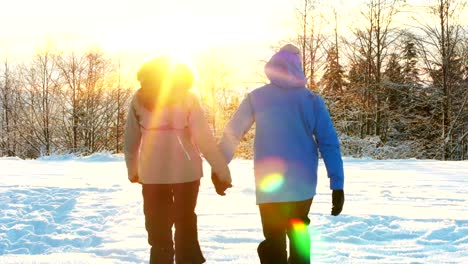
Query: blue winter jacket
{"x": 292, "y": 125}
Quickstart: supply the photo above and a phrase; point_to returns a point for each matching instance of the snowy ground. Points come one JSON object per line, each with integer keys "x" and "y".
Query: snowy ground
{"x": 83, "y": 210}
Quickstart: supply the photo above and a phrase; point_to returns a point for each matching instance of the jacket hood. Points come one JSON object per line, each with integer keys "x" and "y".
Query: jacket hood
{"x": 285, "y": 68}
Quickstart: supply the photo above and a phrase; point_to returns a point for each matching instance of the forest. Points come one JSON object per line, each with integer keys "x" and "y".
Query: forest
{"x": 394, "y": 90}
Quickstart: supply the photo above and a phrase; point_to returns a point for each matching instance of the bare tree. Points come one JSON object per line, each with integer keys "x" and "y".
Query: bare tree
{"x": 463, "y": 142}
{"x": 96, "y": 87}
{"x": 7, "y": 104}
{"x": 120, "y": 97}
{"x": 310, "y": 40}
{"x": 40, "y": 82}
{"x": 373, "y": 42}
{"x": 72, "y": 68}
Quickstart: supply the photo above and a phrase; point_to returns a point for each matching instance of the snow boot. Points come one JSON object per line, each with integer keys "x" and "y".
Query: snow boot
{"x": 162, "y": 256}
{"x": 269, "y": 255}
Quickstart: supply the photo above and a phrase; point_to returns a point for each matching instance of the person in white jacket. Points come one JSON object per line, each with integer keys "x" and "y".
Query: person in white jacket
{"x": 164, "y": 132}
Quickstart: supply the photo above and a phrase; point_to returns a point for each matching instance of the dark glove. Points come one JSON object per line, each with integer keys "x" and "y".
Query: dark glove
{"x": 220, "y": 186}
{"x": 338, "y": 201}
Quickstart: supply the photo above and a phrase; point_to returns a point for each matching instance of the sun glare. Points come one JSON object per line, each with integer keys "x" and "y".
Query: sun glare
{"x": 141, "y": 30}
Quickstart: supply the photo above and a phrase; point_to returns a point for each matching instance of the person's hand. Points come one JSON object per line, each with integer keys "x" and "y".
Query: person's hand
{"x": 220, "y": 186}
{"x": 338, "y": 201}
{"x": 134, "y": 179}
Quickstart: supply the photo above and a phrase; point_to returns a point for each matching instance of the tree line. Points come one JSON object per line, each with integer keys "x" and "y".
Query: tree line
{"x": 405, "y": 84}
{"x": 402, "y": 85}
{"x": 62, "y": 103}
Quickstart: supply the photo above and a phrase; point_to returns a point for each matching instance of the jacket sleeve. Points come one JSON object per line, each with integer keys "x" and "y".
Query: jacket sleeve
{"x": 328, "y": 144}
{"x": 206, "y": 142}
{"x": 132, "y": 141}
{"x": 235, "y": 130}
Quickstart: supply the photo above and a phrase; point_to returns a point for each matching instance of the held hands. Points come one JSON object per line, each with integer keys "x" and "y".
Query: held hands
{"x": 338, "y": 201}
{"x": 134, "y": 179}
{"x": 220, "y": 185}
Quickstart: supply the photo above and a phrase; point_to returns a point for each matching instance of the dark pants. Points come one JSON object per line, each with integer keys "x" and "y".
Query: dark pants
{"x": 278, "y": 221}
{"x": 166, "y": 205}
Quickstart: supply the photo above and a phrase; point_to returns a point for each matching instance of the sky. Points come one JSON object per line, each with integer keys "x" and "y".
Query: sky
{"x": 146, "y": 24}
{"x": 142, "y": 29}
{"x": 242, "y": 33}
{"x": 67, "y": 209}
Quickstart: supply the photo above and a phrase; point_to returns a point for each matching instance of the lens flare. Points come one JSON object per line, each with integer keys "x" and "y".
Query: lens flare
{"x": 301, "y": 238}
{"x": 270, "y": 172}
{"x": 272, "y": 182}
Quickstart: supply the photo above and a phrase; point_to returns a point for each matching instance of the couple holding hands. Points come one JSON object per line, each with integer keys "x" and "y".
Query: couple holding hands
{"x": 166, "y": 130}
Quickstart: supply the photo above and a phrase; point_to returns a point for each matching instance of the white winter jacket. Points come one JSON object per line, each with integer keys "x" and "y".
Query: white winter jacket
{"x": 162, "y": 146}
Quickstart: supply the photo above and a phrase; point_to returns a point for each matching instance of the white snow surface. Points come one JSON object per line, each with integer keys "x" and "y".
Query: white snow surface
{"x": 67, "y": 209}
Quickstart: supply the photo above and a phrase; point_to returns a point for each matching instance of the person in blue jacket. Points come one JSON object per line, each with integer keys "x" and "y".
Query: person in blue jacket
{"x": 292, "y": 125}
